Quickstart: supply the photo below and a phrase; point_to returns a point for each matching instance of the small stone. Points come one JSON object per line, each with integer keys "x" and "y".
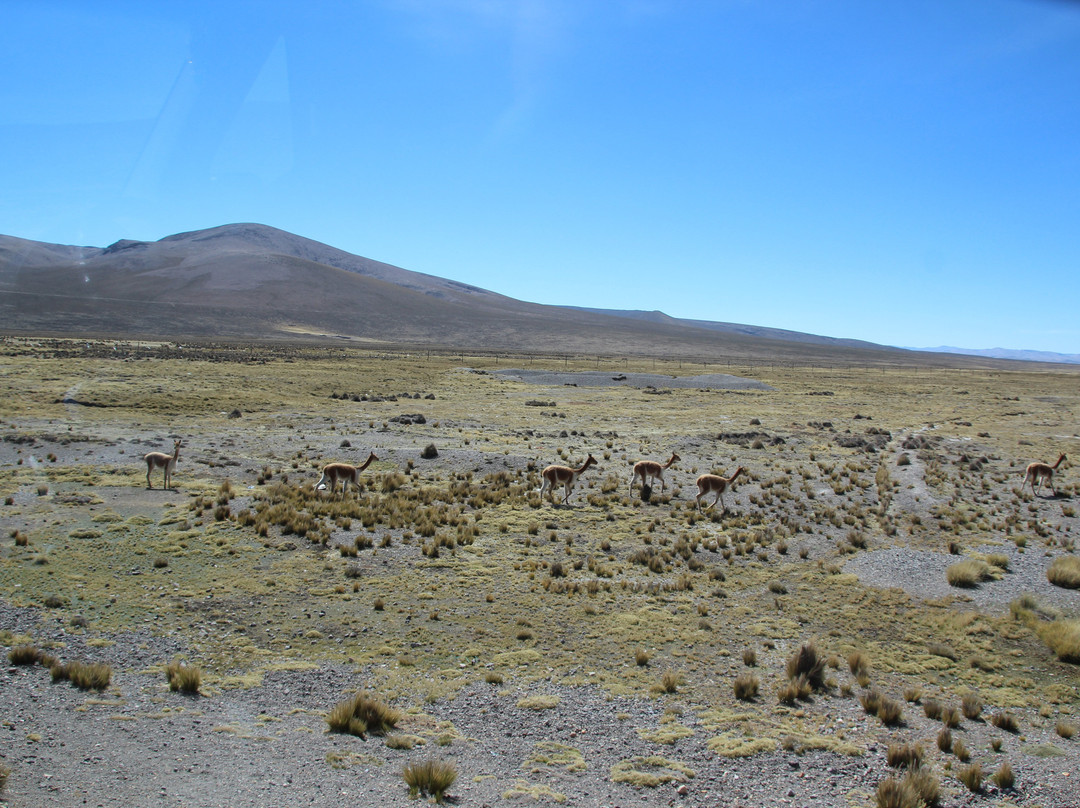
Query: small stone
{"x": 682, "y": 790}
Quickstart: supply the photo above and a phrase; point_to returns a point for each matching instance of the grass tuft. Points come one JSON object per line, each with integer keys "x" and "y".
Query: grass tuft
{"x": 944, "y": 739}
{"x": 1061, "y": 635}
{"x": 24, "y": 655}
{"x": 1004, "y": 777}
{"x": 808, "y": 664}
{"x": 904, "y": 755}
{"x": 858, "y": 664}
{"x": 359, "y": 714}
{"x": 1064, "y": 571}
{"x": 968, "y": 573}
{"x": 432, "y": 777}
{"x": 925, "y": 785}
{"x": 972, "y": 777}
{"x": 960, "y": 749}
{"x": 746, "y": 687}
{"x": 971, "y": 705}
{"x": 89, "y": 675}
{"x": 183, "y": 678}
{"x": 893, "y": 793}
{"x": 1005, "y": 721}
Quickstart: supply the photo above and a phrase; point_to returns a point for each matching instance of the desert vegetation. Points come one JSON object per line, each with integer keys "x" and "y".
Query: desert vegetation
{"x": 821, "y": 612}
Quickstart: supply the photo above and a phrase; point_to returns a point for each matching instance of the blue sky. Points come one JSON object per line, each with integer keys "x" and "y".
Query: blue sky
{"x": 900, "y": 171}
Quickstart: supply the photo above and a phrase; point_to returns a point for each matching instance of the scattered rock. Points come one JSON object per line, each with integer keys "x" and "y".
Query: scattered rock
{"x": 413, "y": 418}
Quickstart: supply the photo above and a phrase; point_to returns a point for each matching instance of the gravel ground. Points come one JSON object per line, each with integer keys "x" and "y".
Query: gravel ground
{"x": 140, "y": 744}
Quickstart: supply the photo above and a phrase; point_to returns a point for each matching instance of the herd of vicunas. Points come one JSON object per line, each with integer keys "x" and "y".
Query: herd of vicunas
{"x": 1035, "y": 475}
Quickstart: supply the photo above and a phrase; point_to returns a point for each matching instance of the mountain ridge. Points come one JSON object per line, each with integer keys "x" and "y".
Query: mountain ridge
{"x": 248, "y": 281}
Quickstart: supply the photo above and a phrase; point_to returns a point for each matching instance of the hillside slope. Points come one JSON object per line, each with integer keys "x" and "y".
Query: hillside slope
{"x": 254, "y": 282}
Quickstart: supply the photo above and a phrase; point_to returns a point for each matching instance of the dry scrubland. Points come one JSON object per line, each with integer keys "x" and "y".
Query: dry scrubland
{"x": 877, "y": 591}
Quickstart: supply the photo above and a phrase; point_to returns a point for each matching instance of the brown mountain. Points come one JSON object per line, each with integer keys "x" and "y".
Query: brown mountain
{"x": 253, "y": 282}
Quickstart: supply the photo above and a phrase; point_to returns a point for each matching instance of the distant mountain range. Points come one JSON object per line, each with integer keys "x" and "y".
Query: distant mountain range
{"x": 1008, "y": 353}
{"x": 243, "y": 282}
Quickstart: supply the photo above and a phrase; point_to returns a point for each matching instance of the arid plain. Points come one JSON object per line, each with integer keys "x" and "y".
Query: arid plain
{"x": 615, "y": 651}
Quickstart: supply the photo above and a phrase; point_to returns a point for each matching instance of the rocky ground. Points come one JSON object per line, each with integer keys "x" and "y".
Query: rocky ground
{"x": 138, "y": 743}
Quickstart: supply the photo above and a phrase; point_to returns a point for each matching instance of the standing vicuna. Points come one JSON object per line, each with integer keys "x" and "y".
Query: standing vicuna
{"x": 564, "y": 476}
{"x": 160, "y": 460}
{"x": 650, "y": 468}
{"x": 333, "y": 472}
{"x": 1040, "y": 472}
{"x": 715, "y": 484}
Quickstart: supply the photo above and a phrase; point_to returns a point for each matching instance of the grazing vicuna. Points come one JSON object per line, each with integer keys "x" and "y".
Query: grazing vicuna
{"x": 650, "y": 468}
{"x": 333, "y": 472}
{"x": 564, "y": 476}
{"x": 1041, "y": 472}
{"x": 160, "y": 460}
{"x": 715, "y": 484}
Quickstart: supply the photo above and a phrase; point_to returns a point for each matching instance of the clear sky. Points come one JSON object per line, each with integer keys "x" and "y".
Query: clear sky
{"x": 900, "y": 171}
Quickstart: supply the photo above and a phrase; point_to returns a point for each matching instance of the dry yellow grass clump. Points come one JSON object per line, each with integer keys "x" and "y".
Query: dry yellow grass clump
{"x": 1064, "y": 571}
